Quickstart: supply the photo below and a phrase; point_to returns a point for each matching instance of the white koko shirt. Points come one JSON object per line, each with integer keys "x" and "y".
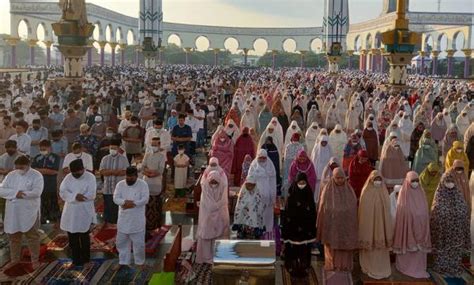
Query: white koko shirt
{"x": 131, "y": 220}
{"x": 21, "y": 214}
{"x": 77, "y": 217}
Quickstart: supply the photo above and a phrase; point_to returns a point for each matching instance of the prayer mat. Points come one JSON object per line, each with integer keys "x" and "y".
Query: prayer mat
{"x": 58, "y": 243}
{"x": 465, "y": 279}
{"x": 202, "y": 274}
{"x": 22, "y": 273}
{"x": 26, "y": 254}
{"x": 103, "y": 239}
{"x": 99, "y": 208}
{"x": 127, "y": 274}
{"x": 151, "y": 246}
{"x": 311, "y": 279}
{"x": 175, "y": 205}
{"x": 60, "y": 273}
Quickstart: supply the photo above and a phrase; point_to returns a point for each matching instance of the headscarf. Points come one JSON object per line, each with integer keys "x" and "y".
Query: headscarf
{"x": 450, "y": 223}
{"x": 371, "y": 140}
{"x": 245, "y": 168}
{"x": 453, "y": 155}
{"x": 248, "y": 120}
{"x": 321, "y": 155}
{"x": 462, "y": 122}
{"x": 223, "y": 150}
{"x": 299, "y": 222}
{"x": 426, "y": 153}
{"x": 249, "y": 206}
{"x": 337, "y": 215}
{"x": 359, "y": 172}
{"x": 430, "y": 182}
{"x": 264, "y": 119}
{"x": 234, "y": 131}
{"x": 375, "y": 221}
{"x": 277, "y": 135}
{"x": 305, "y": 167}
{"x": 338, "y": 141}
{"x": 412, "y": 224}
{"x": 311, "y": 135}
{"x": 293, "y": 129}
{"x": 452, "y": 135}
{"x": 243, "y": 146}
{"x": 393, "y": 165}
{"x": 438, "y": 127}
{"x": 415, "y": 138}
{"x": 214, "y": 208}
{"x": 234, "y": 116}
{"x": 462, "y": 181}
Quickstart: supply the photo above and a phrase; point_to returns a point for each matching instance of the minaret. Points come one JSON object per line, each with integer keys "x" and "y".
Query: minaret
{"x": 399, "y": 46}
{"x": 336, "y": 26}
{"x": 149, "y": 23}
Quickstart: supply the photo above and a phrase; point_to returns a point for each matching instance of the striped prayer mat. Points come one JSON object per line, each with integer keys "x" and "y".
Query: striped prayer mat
{"x": 59, "y": 272}
{"x": 312, "y": 279}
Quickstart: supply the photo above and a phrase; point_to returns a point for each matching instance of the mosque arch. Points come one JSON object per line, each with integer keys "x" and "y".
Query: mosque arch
{"x": 428, "y": 44}
{"x": 357, "y": 43}
{"x": 289, "y": 45}
{"x": 368, "y": 42}
{"x": 231, "y": 44}
{"x": 202, "y": 43}
{"x": 98, "y": 32}
{"x": 260, "y": 46}
{"x": 41, "y": 32}
{"x": 24, "y": 29}
{"x": 442, "y": 42}
{"x": 316, "y": 45}
{"x": 118, "y": 34}
{"x": 174, "y": 39}
{"x": 130, "y": 40}
{"x": 378, "y": 40}
{"x": 459, "y": 41}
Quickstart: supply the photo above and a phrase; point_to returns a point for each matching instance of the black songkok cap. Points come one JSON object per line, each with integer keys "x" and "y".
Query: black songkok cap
{"x": 76, "y": 165}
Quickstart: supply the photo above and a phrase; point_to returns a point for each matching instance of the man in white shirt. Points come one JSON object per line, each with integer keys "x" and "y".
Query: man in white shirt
{"x": 78, "y": 191}
{"x": 78, "y": 153}
{"x": 192, "y": 123}
{"x": 131, "y": 195}
{"x": 153, "y": 168}
{"x": 22, "y": 189}
{"x": 199, "y": 116}
{"x": 158, "y": 131}
{"x": 23, "y": 140}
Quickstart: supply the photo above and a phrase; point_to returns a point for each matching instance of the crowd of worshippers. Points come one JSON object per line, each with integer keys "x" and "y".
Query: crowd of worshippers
{"x": 350, "y": 164}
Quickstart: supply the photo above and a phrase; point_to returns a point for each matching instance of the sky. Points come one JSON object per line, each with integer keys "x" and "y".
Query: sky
{"x": 259, "y": 13}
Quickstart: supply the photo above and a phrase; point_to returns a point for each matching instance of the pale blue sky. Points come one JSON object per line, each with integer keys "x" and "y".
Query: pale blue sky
{"x": 264, "y": 13}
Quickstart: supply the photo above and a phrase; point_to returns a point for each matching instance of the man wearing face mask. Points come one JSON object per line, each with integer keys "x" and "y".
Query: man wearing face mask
{"x": 6, "y": 132}
{"x": 153, "y": 165}
{"x": 78, "y": 191}
{"x": 47, "y": 163}
{"x": 37, "y": 133}
{"x": 131, "y": 195}
{"x": 112, "y": 168}
{"x": 22, "y": 189}
{"x": 78, "y": 153}
{"x": 158, "y": 131}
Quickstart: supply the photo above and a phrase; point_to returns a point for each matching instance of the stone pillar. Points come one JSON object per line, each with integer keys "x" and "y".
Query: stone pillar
{"x": 274, "y": 52}
{"x": 186, "y": 52}
{"x": 450, "y": 58}
{"x": 48, "y": 52}
{"x": 382, "y": 60}
{"x": 32, "y": 45}
{"x": 113, "y": 45}
{"x": 467, "y": 62}
{"x": 161, "y": 54}
{"x": 434, "y": 60}
{"x": 363, "y": 60}
{"x": 246, "y": 52}
{"x": 90, "y": 48}
{"x": 216, "y": 56}
{"x": 13, "y": 41}
{"x": 422, "y": 55}
{"x": 102, "y": 52}
{"x": 138, "y": 49}
{"x": 302, "y": 56}
{"x": 123, "y": 47}
{"x": 349, "y": 59}
{"x": 373, "y": 63}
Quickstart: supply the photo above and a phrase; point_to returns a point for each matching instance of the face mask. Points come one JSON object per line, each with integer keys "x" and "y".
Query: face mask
{"x": 23, "y": 171}
{"x": 76, "y": 175}
{"x": 78, "y": 155}
{"x": 377, "y": 183}
{"x": 130, "y": 182}
{"x": 414, "y": 184}
{"x": 302, "y": 186}
{"x": 213, "y": 185}
{"x": 459, "y": 171}
{"x": 370, "y": 128}
{"x": 449, "y": 185}
{"x": 458, "y": 150}
{"x": 113, "y": 152}
{"x": 180, "y": 151}
{"x": 222, "y": 139}
{"x": 44, "y": 152}
{"x": 109, "y": 135}
{"x": 155, "y": 148}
